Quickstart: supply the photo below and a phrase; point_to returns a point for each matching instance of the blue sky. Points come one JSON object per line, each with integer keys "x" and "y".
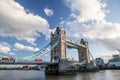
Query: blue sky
{"x": 25, "y": 25}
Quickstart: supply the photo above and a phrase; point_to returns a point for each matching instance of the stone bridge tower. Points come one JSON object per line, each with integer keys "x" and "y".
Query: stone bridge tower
{"x": 83, "y": 53}
{"x": 59, "y": 52}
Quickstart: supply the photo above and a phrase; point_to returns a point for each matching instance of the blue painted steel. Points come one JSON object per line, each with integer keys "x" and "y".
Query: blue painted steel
{"x": 43, "y": 51}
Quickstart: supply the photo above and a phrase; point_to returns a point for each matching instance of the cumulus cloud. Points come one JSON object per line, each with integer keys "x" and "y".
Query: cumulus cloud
{"x": 106, "y": 34}
{"x": 23, "y": 47}
{"x": 4, "y": 47}
{"x": 102, "y": 31}
{"x": 90, "y": 23}
{"x": 85, "y": 10}
{"x": 48, "y": 12}
{"x": 74, "y": 29}
{"x": 105, "y": 56}
{"x": 15, "y": 21}
{"x": 11, "y": 53}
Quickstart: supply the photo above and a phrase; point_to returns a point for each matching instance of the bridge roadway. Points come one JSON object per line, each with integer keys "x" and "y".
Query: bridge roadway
{"x": 29, "y": 63}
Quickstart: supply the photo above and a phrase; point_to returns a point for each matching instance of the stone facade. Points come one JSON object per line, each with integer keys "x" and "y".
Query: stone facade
{"x": 84, "y": 54}
{"x": 59, "y": 52}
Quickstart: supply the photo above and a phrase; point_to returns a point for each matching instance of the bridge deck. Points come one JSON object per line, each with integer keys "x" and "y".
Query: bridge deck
{"x": 32, "y": 63}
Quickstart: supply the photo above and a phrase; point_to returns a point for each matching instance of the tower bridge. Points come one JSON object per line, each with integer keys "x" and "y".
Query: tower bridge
{"x": 60, "y": 50}
{"x": 57, "y": 47}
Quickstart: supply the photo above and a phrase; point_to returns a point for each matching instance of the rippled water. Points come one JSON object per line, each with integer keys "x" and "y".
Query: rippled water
{"x": 39, "y": 75}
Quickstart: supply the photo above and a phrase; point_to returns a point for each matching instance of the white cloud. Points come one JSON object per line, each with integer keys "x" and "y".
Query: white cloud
{"x": 87, "y": 10}
{"x": 105, "y": 56}
{"x": 89, "y": 22}
{"x": 103, "y": 31}
{"x": 73, "y": 29}
{"x": 23, "y": 47}
{"x": 106, "y": 34}
{"x": 4, "y": 48}
{"x": 11, "y": 53}
{"x": 15, "y": 21}
{"x": 77, "y": 35}
{"x": 48, "y": 12}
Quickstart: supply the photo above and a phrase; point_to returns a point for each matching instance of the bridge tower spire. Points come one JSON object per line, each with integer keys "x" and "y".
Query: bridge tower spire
{"x": 59, "y": 52}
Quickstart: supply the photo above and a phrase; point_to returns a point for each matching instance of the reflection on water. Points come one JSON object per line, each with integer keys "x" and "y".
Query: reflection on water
{"x": 39, "y": 75}
{"x": 21, "y": 75}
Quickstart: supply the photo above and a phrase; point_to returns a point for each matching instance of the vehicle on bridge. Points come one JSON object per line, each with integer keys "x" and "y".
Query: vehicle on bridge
{"x": 38, "y": 60}
{"x": 7, "y": 60}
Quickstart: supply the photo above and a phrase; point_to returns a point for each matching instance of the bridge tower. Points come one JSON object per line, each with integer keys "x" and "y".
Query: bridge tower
{"x": 83, "y": 53}
{"x": 59, "y": 52}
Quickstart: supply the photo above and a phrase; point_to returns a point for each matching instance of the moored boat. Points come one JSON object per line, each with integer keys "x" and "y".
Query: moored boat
{"x": 115, "y": 61}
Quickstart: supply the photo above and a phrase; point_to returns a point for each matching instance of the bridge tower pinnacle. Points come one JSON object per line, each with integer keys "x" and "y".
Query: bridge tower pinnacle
{"x": 59, "y": 52}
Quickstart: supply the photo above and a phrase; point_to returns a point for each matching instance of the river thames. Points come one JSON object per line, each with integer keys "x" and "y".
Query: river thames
{"x": 39, "y": 75}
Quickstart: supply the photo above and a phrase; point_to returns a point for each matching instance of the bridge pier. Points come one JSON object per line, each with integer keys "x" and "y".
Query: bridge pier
{"x": 63, "y": 67}
{"x": 52, "y": 69}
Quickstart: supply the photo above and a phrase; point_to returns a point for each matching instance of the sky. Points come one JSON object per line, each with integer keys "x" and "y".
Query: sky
{"x": 25, "y": 25}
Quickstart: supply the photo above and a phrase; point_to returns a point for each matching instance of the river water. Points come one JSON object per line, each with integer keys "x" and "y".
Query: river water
{"x": 39, "y": 75}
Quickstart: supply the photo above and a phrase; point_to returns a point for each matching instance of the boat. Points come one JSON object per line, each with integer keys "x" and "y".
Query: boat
{"x": 115, "y": 61}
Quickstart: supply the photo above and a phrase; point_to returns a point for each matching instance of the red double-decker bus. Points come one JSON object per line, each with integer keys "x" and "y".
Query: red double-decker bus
{"x": 7, "y": 59}
{"x": 38, "y": 60}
